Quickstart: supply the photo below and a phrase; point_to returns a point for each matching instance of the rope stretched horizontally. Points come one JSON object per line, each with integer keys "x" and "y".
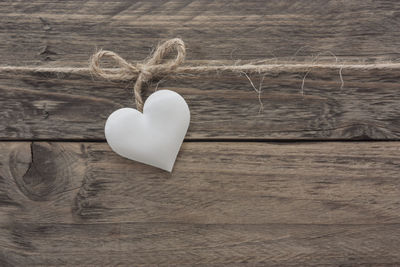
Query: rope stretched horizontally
{"x": 155, "y": 67}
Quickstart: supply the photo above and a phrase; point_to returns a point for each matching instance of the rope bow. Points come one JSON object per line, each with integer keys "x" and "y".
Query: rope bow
{"x": 153, "y": 67}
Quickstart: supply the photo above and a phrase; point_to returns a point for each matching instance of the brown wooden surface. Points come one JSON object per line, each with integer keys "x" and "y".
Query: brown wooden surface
{"x": 225, "y": 107}
{"x": 254, "y": 204}
{"x": 60, "y": 33}
{"x": 261, "y": 197}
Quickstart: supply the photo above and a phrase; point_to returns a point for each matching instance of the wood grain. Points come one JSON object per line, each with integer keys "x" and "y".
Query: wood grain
{"x": 232, "y": 199}
{"x": 67, "y": 32}
{"x": 226, "y": 107}
{"x": 223, "y": 106}
{"x": 329, "y": 203}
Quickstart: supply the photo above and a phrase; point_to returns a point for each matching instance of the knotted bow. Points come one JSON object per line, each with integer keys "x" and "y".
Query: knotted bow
{"x": 142, "y": 72}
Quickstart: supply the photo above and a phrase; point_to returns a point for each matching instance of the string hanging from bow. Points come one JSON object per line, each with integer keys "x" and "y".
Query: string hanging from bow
{"x": 144, "y": 72}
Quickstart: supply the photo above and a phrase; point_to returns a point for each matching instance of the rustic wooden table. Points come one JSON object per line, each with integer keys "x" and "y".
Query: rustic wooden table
{"x": 310, "y": 179}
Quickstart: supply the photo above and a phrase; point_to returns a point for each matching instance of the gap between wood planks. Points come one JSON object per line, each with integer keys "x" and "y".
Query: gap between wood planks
{"x": 217, "y": 140}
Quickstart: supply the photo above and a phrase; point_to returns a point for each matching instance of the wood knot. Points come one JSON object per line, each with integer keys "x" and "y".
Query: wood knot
{"x": 48, "y": 171}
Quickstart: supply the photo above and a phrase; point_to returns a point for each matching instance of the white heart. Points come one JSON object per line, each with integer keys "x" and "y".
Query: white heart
{"x": 153, "y": 137}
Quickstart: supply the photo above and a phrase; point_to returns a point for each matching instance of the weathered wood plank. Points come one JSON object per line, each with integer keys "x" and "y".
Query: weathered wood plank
{"x": 75, "y": 107}
{"x": 225, "y": 203}
{"x": 67, "y": 32}
{"x": 54, "y": 33}
{"x": 176, "y": 244}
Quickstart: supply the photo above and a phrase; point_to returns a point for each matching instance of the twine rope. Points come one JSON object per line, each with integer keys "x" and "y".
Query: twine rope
{"x": 142, "y": 72}
{"x": 155, "y": 67}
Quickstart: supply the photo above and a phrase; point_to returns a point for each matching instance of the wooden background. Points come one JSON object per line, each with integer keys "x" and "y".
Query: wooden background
{"x": 310, "y": 179}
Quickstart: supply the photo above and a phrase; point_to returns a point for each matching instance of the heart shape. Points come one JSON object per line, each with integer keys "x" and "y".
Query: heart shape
{"x": 153, "y": 137}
